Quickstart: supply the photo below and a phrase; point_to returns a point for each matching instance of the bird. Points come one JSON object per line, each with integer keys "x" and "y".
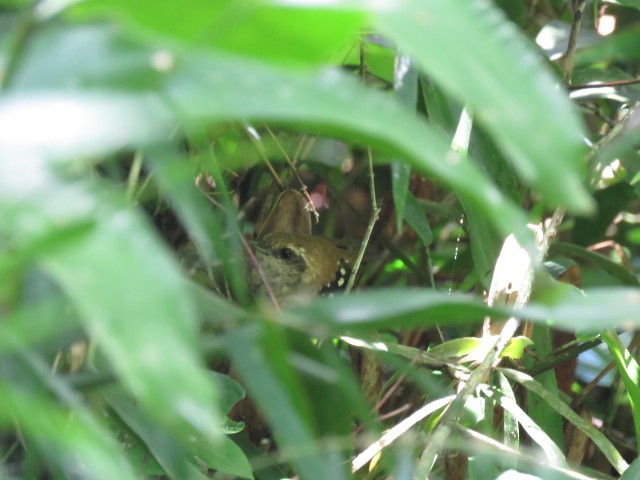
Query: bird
{"x": 295, "y": 266}
{"x": 292, "y": 263}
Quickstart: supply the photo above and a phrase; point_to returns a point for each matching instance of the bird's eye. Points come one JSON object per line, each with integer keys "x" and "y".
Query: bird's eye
{"x": 286, "y": 253}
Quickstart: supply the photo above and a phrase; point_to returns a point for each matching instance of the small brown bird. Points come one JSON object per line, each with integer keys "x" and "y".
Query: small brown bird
{"x": 300, "y": 265}
{"x": 294, "y": 263}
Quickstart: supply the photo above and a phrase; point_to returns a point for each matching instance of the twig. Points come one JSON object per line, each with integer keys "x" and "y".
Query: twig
{"x": 304, "y": 147}
{"x": 255, "y": 139}
{"x": 395, "y": 385}
{"x": 594, "y": 383}
{"x": 303, "y": 186}
{"x": 570, "y": 55}
{"x": 617, "y": 83}
{"x": 256, "y": 264}
{"x": 375, "y": 211}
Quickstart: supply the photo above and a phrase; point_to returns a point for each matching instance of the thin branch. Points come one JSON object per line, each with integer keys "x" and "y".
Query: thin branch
{"x": 615, "y": 83}
{"x": 256, "y": 264}
{"x": 303, "y": 186}
{"x": 255, "y": 139}
{"x": 375, "y": 212}
{"x": 570, "y": 55}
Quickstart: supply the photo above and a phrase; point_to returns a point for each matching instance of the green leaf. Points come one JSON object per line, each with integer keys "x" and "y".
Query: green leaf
{"x": 621, "y": 46}
{"x": 260, "y": 355}
{"x": 491, "y": 68}
{"x": 515, "y": 349}
{"x": 417, "y": 220}
{"x": 440, "y": 111}
{"x": 278, "y": 31}
{"x": 558, "y": 405}
{"x": 176, "y": 458}
{"x": 628, "y": 3}
{"x": 538, "y": 409}
{"x": 566, "y": 308}
{"x": 390, "y": 308}
{"x": 485, "y": 241}
{"x": 511, "y": 435}
{"x": 243, "y": 90}
{"x": 231, "y": 392}
{"x": 616, "y": 270}
{"x": 316, "y": 100}
{"x": 75, "y": 443}
{"x": 400, "y": 175}
{"x": 629, "y": 371}
{"x": 594, "y": 310}
{"x": 458, "y": 347}
{"x": 113, "y": 261}
{"x": 175, "y": 177}
{"x": 101, "y": 272}
{"x": 611, "y": 201}
{"x": 537, "y": 434}
{"x": 43, "y": 320}
{"x": 633, "y": 471}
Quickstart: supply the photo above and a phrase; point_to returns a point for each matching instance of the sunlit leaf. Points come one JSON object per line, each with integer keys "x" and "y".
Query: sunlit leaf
{"x": 492, "y": 69}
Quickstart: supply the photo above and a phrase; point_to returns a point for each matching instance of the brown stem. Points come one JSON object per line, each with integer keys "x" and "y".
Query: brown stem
{"x": 570, "y": 55}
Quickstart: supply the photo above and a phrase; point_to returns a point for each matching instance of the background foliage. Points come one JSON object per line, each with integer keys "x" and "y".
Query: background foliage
{"x": 134, "y": 140}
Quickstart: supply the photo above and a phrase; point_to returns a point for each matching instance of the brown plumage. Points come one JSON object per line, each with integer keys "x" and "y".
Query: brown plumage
{"x": 300, "y": 265}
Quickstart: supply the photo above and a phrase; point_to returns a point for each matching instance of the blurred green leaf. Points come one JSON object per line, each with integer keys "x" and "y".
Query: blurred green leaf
{"x": 611, "y": 200}
{"x": 270, "y": 30}
{"x": 417, "y": 219}
{"x": 406, "y": 89}
{"x": 458, "y": 347}
{"x": 231, "y": 392}
{"x": 623, "y": 46}
{"x": 492, "y": 69}
{"x": 75, "y": 443}
{"x": 515, "y": 348}
{"x": 392, "y": 308}
{"x": 246, "y": 89}
{"x": 629, "y": 371}
{"x": 316, "y": 100}
{"x": 400, "y": 176}
{"x": 633, "y": 471}
{"x": 565, "y": 308}
{"x": 537, "y": 408}
{"x": 110, "y": 262}
{"x": 101, "y": 271}
{"x": 181, "y": 460}
{"x": 616, "y": 270}
{"x": 260, "y": 355}
{"x": 595, "y": 309}
{"x": 485, "y": 241}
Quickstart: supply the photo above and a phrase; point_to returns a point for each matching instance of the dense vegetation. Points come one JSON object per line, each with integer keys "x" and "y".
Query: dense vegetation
{"x": 138, "y": 143}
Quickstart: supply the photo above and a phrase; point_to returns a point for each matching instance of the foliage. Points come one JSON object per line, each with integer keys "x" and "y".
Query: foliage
{"x": 134, "y": 146}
